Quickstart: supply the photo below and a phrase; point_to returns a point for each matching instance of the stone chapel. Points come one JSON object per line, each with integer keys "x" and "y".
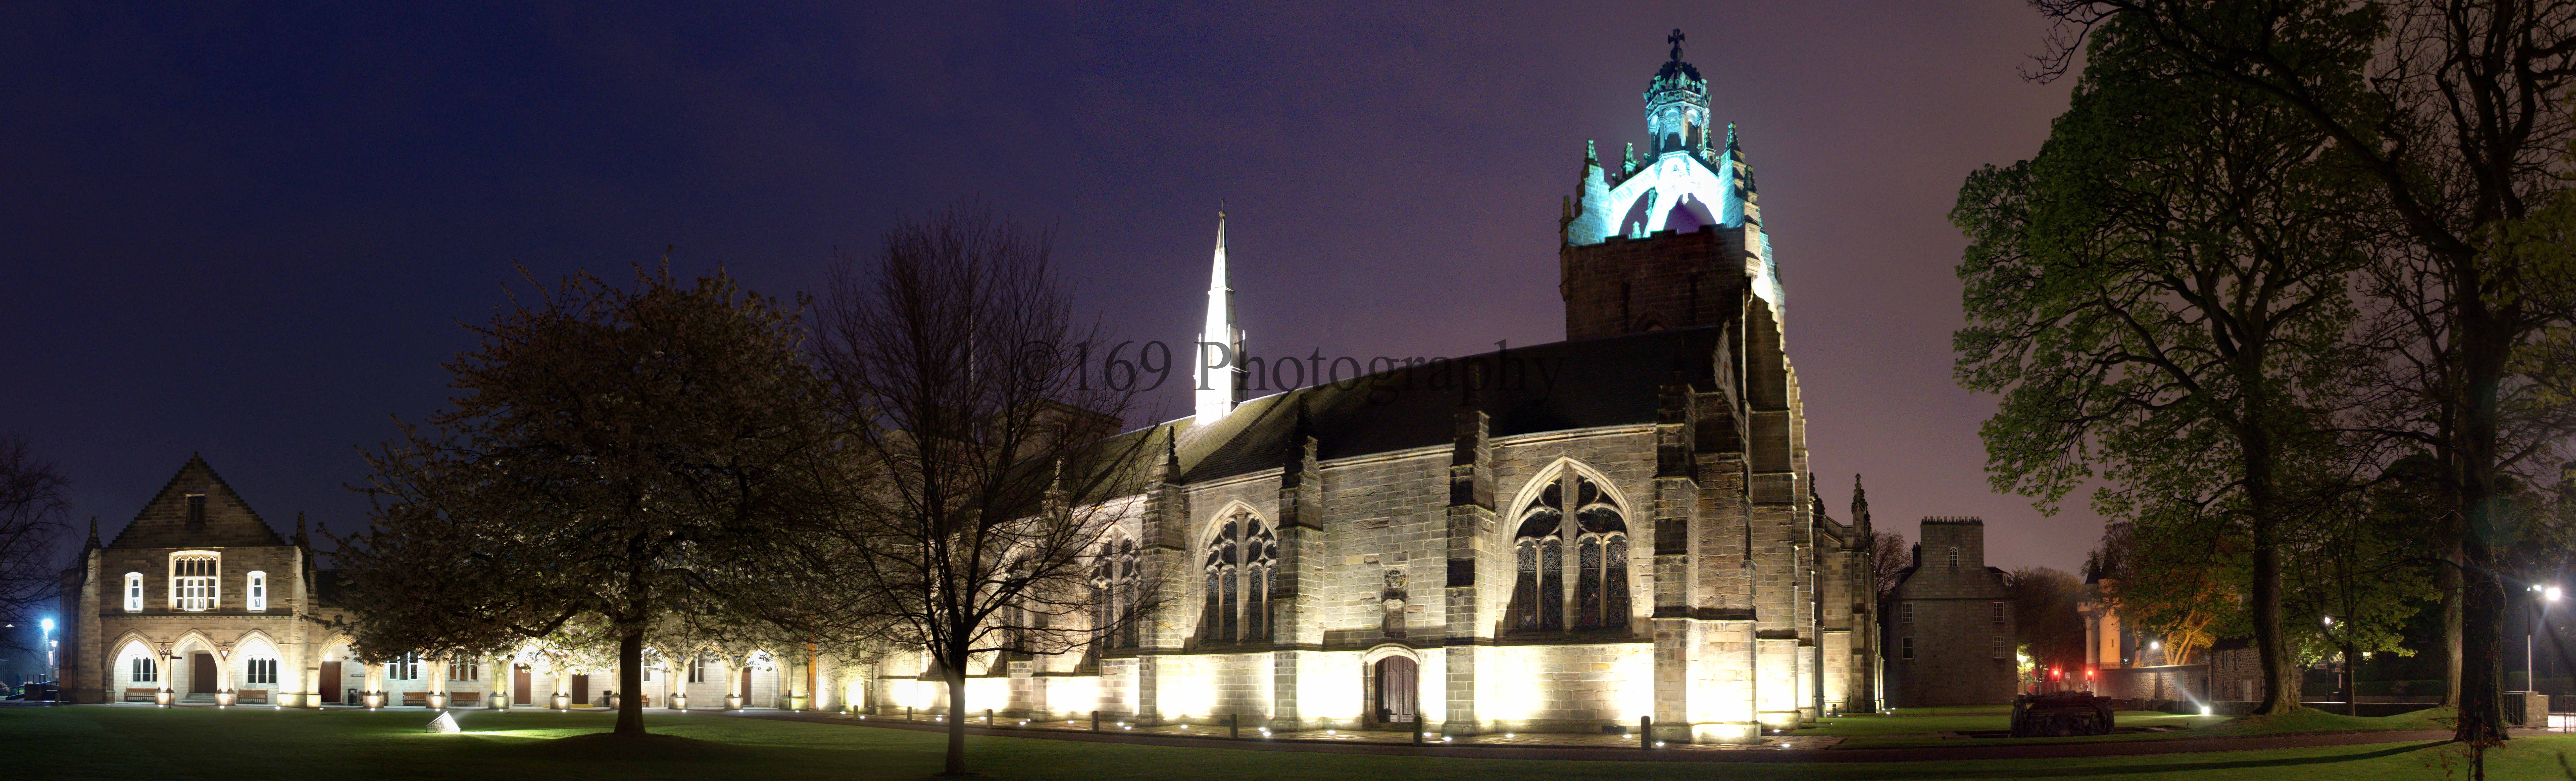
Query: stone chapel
{"x": 1576, "y": 536}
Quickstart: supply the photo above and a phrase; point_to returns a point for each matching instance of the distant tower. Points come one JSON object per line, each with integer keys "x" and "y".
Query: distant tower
{"x": 1672, "y": 240}
{"x": 1219, "y": 352}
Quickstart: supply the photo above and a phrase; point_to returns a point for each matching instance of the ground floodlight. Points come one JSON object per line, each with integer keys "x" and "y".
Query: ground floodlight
{"x": 445, "y": 723}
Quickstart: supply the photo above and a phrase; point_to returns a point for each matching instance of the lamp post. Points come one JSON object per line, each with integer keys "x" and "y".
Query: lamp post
{"x": 48, "y": 625}
{"x": 2539, "y": 608}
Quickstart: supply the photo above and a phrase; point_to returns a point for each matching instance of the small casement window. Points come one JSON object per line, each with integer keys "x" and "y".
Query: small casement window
{"x": 1905, "y": 613}
{"x": 648, "y": 674}
{"x": 403, "y": 668}
{"x": 465, "y": 670}
{"x": 1909, "y": 648}
{"x": 133, "y": 592}
{"x": 1999, "y": 646}
{"x": 145, "y": 671}
{"x": 260, "y": 671}
{"x": 196, "y": 509}
{"x": 1954, "y": 558}
{"x": 1996, "y": 608}
{"x": 192, "y": 580}
{"x": 258, "y": 590}
{"x": 697, "y": 669}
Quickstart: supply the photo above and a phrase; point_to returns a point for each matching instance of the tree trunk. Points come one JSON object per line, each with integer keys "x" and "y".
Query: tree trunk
{"x": 2482, "y": 601}
{"x": 2451, "y": 583}
{"x": 956, "y": 718}
{"x": 630, "y": 680}
{"x": 2262, "y": 501}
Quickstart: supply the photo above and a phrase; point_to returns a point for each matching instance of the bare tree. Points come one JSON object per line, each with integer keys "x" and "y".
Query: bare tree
{"x": 1889, "y": 556}
{"x": 31, "y": 518}
{"x": 954, "y": 356}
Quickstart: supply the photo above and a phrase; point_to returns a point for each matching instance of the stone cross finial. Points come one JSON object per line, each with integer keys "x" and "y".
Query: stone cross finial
{"x": 1676, "y": 40}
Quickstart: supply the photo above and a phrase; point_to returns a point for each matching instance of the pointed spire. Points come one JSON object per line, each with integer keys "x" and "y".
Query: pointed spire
{"x": 301, "y": 541}
{"x": 1219, "y": 352}
{"x": 93, "y": 531}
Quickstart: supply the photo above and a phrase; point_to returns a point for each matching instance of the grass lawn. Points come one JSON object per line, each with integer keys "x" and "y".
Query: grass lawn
{"x": 1875, "y": 732}
{"x": 130, "y": 743}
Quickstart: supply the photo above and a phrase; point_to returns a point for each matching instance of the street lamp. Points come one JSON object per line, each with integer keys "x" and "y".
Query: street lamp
{"x": 2539, "y": 610}
{"x": 48, "y": 625}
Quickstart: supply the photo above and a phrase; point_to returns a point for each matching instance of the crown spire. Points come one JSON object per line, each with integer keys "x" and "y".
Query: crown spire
{"x": 1676, "y": 40}
{"x": 1219, "y": 353}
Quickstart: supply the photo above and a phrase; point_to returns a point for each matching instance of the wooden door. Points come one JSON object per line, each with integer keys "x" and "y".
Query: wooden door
{"x": 519, "y": 684}
{"x": 746, "y": 686}
{"x": 330, "y": 681}
{"x": 581, "y": 690}
{"x": 201, "y": 673}
{"x": 1395, "y": 690}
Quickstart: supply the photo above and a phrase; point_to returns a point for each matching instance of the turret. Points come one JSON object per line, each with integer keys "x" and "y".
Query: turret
{"x": 1677, "y": 104}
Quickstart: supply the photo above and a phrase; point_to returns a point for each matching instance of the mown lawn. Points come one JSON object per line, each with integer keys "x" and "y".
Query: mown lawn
{"x": 1883, "y": 732}
{"x": 132, "y": 743}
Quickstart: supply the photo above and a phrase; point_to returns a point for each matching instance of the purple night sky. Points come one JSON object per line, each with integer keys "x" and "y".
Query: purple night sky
{"x": 252, "y": 230}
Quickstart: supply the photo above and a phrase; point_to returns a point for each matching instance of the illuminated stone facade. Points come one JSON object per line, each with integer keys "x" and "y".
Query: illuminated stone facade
{"x": 1563, "y": 537}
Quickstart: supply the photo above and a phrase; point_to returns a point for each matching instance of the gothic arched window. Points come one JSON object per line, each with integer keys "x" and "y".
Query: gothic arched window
{"x": 1238, "y": 571}
{"x": 1113, "y": 589}
{"x": 1599, "y": 567}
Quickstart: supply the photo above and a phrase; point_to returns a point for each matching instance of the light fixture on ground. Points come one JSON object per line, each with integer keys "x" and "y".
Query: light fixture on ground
{"x": 445, "y": 723}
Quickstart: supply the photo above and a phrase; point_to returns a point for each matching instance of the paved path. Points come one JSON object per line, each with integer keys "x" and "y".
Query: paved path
{"x": 1579, "y": 747}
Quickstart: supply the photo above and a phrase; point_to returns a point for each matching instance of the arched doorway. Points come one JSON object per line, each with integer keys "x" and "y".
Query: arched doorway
{"x": 1395, "y": 679}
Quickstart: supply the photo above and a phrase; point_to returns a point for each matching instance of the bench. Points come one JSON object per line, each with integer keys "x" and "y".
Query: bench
{"x": 464, "y": 699}
{"x": 416, "y": 698}
{"x": 142, "y": 694}
{"x": 245, "y": 696}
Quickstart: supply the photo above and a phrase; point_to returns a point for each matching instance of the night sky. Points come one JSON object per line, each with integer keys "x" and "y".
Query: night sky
{"x": 252, "y": 230}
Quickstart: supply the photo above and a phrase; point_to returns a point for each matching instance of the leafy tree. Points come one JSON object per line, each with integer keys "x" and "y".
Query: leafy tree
{"x": 614, "y": 456}
{"x": 2172, "y": 580}
{"x": 2453, "y": 130}
{"x": 953, "y": 359}
{"x": 32, "y": 504}
{"x": 2161, "y": 293}
{"x": 2046, "y": 624}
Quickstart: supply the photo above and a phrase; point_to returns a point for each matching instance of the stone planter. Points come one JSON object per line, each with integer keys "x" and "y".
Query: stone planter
{"x": 162, "y": 698}
{"x": 373, "y": 700}
{"x": 680, "y": 702}
{"x": 563, "y": 702}
{"x": 224, "y": 699}
{"x": 733, "y": 702}
{"x": 438, "y": 701}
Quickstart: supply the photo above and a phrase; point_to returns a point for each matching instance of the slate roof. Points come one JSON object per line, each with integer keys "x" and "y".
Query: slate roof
{"x": 1608, "y": 381}
{"x": 164, "y": 521}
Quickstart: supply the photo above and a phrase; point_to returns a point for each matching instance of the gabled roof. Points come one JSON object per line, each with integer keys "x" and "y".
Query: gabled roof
{"x": 1608, "y": 381}
{"x": 165, "y": 522}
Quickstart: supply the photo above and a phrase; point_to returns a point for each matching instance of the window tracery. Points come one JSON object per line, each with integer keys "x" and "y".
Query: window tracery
{"x": 1593, "y": 519}
{"x": 1238, "y": 571}
{"x": 1113, "y": 584}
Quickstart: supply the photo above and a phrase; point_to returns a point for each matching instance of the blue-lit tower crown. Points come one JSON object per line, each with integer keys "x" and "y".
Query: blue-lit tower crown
{"x": 1692, "y": 177}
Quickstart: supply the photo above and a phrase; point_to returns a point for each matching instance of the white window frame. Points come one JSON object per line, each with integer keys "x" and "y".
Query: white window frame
{"x": 144, "y": 669}
{"x": 1997, "y": 608}
{"x": 403, "y": 668}
{"x": 134, "y": 592}
{"x": 465, "y": 670}
{"x": 258, "y": 591}
{"x": 698, "y": 669}
{"x": 196, "y": 593}
{"x": 1905, "y": 613}
{"x": 259, "y": 670}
